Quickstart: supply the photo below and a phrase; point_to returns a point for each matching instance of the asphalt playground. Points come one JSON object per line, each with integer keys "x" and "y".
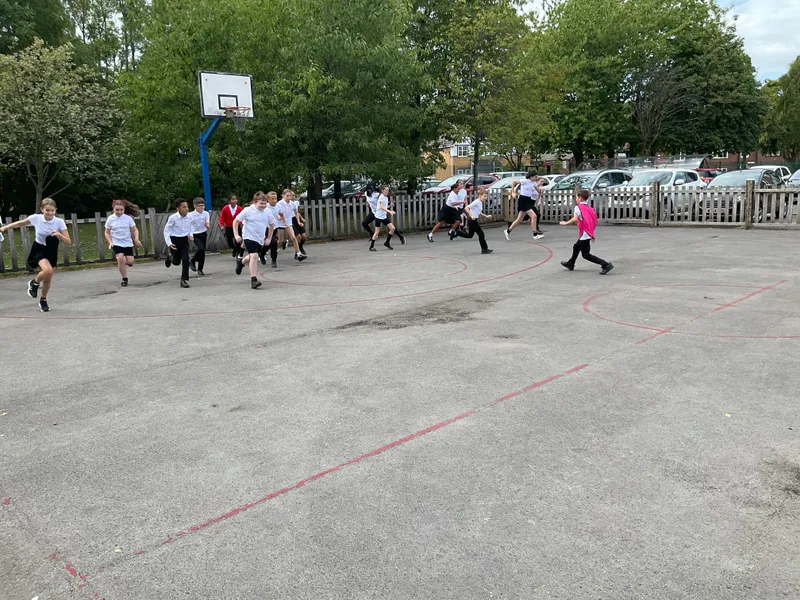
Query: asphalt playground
{"x": 427, "y": 422}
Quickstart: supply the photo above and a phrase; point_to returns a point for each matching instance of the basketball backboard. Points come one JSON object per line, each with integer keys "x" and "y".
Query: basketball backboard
{"x": 221, "y": 90}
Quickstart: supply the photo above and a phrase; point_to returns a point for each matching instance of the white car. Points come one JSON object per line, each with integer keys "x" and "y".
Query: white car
{"x": 794, "y": 180}
{"x": 507, "y": 174}
{"x": 783, "y": 173}
{"x": 667, "y": 178}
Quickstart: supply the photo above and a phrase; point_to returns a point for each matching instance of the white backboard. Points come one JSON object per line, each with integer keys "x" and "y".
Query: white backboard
{"x": 219, "y": 90}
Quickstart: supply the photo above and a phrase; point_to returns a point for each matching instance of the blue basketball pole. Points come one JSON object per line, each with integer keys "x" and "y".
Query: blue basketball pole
{"x": 203, "y": 141}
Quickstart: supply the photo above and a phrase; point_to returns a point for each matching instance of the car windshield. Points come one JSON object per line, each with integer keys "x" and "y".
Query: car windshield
{"x": 734, "y": 178}
{"x": 649, "y": 177}
{"x": 796, "y": 176}
{"x": 451, "y": 180}
{"x": 356, "y": 186}
{"x": 584, "y": 179}
{"x": 501, "y": 184}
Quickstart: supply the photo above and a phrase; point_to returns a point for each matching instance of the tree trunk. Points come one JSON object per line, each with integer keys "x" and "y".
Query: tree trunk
{"x": 476, "y": 156}
{"x": 577, "y": 151}
{"x": 318, "y": 184}
{"x": 337, "y": 186}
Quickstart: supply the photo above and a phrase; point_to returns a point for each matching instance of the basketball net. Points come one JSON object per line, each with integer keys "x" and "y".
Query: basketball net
{"x": 239, "y": 115}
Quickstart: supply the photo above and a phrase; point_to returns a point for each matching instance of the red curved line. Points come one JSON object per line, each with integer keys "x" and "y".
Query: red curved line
{"x": 320, "y": 305}
{"x": 602, "y": 318}
{"x": 296, "y": 281}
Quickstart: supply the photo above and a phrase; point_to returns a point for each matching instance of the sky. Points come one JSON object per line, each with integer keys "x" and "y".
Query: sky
{"x": 769, "y": 30}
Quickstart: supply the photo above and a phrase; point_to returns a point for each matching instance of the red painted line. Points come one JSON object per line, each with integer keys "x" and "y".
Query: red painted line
{"x": 302, "y": 482}
{"x": 372, "y": 268}
{"x": 300, "y": 306}
{"x": 6, "y": 501}
{"x": 71, "y": 570}
{"x": 353, "y": 461}
{"x": 539, "y": 384}
{"x": 712, "y": 311}
{"x": 586, "y": 308}
{"x": 463, "y": 268}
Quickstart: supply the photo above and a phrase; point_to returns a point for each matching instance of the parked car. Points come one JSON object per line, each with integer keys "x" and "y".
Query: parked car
{"x": 709, "y": 174}
{"x": 794, "y": 180}
{"x": 484, "y": 181}
{"x": 507, "y": 174}
{"x": 594, "y": 180}
{"x": 668, "y": 178}
{"x": 763, "y": 178}
{"x": 783, "y": 172}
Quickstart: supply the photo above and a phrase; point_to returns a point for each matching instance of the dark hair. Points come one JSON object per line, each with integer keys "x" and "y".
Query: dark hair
{"x": 530, "y": 174}
{"x": 455, "y": 185}
{"x": 199, "y": 200}
{"x": 584, "y": 194}
{"x": 130, "y": 208}
{"x": 232, "y": 196}
{"x": 370, "y": 188}
{"x": 180, "y": 201}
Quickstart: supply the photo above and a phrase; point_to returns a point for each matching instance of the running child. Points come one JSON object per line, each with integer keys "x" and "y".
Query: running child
{"x": 382, "y": 212}
{"x": 473, "y": 212}
{"x": 200, "y": 226}
{"x": 299, "y": 224}
{"x": 371, "y": 192}
{"x": 122, "y": 235}
{"x": 226, "y": 217}
{"x": 529, "y": 190}
{"x": 586, "y": 219}
{"x": 272, "y": 208}
{"x": 50, "y": 229}
{"x": 178, "y": 234}
{"x": 259, "y": 226}
{"x": 449, "y": 213}
{"x": 285, "y": 213}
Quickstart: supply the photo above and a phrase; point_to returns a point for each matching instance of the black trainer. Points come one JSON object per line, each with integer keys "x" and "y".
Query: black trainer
{"x": 184, "y": 283}
{"x": 167, "y": 261}
{"x": 239, "y": 265}
{"x": 193, "y": 266}
{"x": 33, "y": 288}
{"x": 567, "y": 266}
{"x": 606, "y": 269}
{"x": 254, "y": 283}
{"x": 274, "y": 263}
{"x": 43, "y": 305}
{"x": 372, "y": 249}
{"x": 487, "y": 251}
{"x": 301, "y": 257}
{"x": 402, "y": 239}
{"x": 388, "y": 245}
{"x": 200, "y": 272}
{"x": 262, "y": 257}
{"x": 124, "y": 282}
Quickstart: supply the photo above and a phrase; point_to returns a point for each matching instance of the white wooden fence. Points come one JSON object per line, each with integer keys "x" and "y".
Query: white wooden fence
{"x": 335, "y": 219}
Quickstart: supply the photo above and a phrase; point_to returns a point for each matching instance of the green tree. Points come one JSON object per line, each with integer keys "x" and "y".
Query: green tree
{"x": 23, "y": 20}
{"x": 56, "y": 121}
{"x": 473, "y": 50}
{"x": 781, "y": 132}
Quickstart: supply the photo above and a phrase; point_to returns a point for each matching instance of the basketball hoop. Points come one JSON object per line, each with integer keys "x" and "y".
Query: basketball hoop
{"x": 239, "y": 115}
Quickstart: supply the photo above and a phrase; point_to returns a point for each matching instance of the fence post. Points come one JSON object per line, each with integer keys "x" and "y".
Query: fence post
{"x": 76, "y": 241}
{"x": 749, "y": 203}
{"x": 98, "y": 228}
{"x": 330, "y": 217}
{"x": 12, "y": 245}
{"x": 655, "y": 204}
{"x": 64, "y": 247}
{"x": 142, "y": 233}
{"x": 151, "y": 216}
{"x": 26, "y": 242}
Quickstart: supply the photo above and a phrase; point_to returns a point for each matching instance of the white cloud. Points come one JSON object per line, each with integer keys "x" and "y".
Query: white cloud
{"x": 769, "y": 30}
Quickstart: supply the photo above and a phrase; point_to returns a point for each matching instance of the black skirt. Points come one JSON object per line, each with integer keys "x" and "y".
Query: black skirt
{"x": 41, "y": 252}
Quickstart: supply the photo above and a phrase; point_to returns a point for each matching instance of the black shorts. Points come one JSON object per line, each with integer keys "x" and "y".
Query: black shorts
{"x": 40, "y": 252}
{"x": 252, "y": 247}
{"x": 448, "y": 214}
{"x": 387, "y": 221}
{"x": 126, "y": 250}
{"x": 298, "y": 229}
{"x": 526, "y": 203}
